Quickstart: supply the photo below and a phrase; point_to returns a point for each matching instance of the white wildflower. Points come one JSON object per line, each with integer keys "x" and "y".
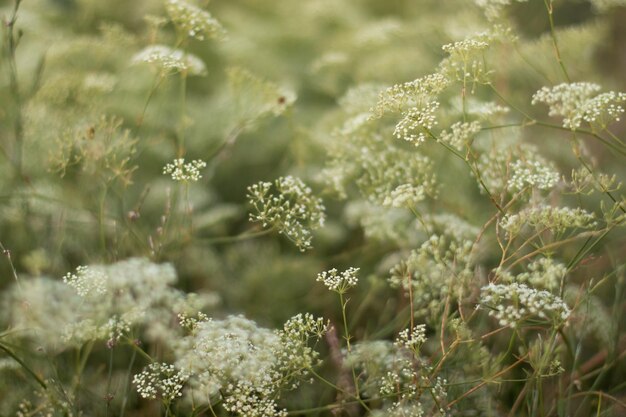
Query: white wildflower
{"x": 416, "y": 123}
{"x": 544, "y": 273}
{"x": 533, "y": 173}
{"x": 412, "y": 94}
{"x": 579, "y": 102}
{"x": 460, "y": 134}
{"x": 556, "y": 219}
{"x": 412, "y": 338}
{"x": 289, "y": 206}
{"x": 184, "y": 172}
{"x": 465, "y": 47}
{"x": 193, "y": 21}
{"x": 168, "y": 60}
{"x": 87, "y": 281}
{"x": 160, "y": 380}
{"x": 339, "y": 282}
{"x": 515, "y": 303}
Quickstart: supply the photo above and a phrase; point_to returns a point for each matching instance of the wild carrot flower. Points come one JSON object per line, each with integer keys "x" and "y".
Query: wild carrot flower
{"x": 513, "y": 304}
{"x": 160, "y": 380}
{"x": 339, "y": 282}
{"x": 86, "y": 281}
{"x": 289, "y": 206}
{"x": 170, "y": 61}
{"x": 580, "y": 102}
{"x": 184, "y": 172}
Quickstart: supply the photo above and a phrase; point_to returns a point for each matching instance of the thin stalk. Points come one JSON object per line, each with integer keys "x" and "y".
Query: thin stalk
{"x": 18, "y": 128}
{"x": 16, "y": 358}
{"x": 330, "y": 384}
{"x": 127, "y": 382}
{"x": 555, "y": 43}
{"x": 348, "y": 337}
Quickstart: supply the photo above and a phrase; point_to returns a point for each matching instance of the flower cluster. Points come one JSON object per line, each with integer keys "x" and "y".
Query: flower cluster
{"x": 184, "y": 172}
{"x": 169, "y": 61}
{"x": 295, "y": 352}
{"x": 245, "y": 364}
{"x": 465, "y": 61}
{"x": 411, "y": 94}
{"x": 289, "y": 206}
{"x": 465, "y": 47}
{"x": 515, "y": 303}
{"x": 579, "y": 102}
{"x": 413, "y": 338}
{"x": 416, "y": 123}
{"x": 391, "y": 179}
{"x": 193, "y": 21}
{"x": 545, "y": 273}
{"x": 86, "y": 281}
{"x": 460, "y": 134}
{"x": 134, "y": 293}
{"x": 339, "y": 282}
{"x": 556, "y": 219}
{"x": 533, "y": 173}
{"x": 116, "y": 327}
{"x": 441, "y": 267}
{"x": 160, "y": 380}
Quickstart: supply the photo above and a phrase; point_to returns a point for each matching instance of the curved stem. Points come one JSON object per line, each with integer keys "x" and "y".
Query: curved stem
{"x": 550, "y": 9}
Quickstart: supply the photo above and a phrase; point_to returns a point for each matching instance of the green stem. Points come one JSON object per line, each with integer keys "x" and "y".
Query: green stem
{"x": 18, "y": 127}
{"x": 330, "y": 384}
{"x": 348, "y": 337}
{"x": 127, "y": 382}
{"x": 23, "y": 365}
{"x": 549, "y": 8}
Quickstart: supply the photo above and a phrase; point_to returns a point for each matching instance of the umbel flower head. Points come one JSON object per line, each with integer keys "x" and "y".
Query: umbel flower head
{"x": 246, "y": 364}
{"x": 160, "y": 380}
{"x": 580, "y": 102}
{"x": 515, "y": 303}
{"x": 339, "y": 282}
{"x": 184, "y": 172}
{"x": 193, "y": 21}
{"x": 170, "y": 61}
{"x": 289, "y": 206}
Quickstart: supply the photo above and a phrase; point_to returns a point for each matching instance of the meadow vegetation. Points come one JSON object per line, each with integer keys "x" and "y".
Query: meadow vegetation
{"x": 270, "y": 208}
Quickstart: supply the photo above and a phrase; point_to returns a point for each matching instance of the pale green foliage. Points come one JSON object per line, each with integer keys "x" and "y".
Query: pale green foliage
{"x": 103, "y": 149}
{"x": 256, "y": 98}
